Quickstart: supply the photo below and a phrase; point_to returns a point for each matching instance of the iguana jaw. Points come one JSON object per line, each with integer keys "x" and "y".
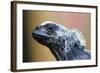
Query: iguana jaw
{"x": 40, "y": 38}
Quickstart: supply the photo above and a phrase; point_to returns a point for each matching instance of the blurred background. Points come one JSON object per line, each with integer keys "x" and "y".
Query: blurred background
{"x": 35, "y": 52}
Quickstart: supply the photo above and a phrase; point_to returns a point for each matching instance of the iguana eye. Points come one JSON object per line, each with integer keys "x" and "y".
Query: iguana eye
{"x": 50, "y": 29}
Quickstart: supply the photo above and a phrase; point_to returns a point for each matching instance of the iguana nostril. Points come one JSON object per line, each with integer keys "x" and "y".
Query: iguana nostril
{"x": 37, "y": 27}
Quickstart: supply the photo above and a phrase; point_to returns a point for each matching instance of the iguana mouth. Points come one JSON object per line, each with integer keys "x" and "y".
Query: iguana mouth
{"x": 40, "y": 38}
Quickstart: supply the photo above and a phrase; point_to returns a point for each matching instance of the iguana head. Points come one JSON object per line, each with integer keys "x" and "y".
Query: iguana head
{"x": 57, "y": 38}
{"x": 47, "y": 33}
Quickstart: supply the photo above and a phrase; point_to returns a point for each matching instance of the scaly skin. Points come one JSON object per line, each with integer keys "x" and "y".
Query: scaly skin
{"x": 62, "y": 42}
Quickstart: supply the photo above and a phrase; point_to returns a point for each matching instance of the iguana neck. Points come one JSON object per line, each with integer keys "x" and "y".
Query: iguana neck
{"x": 58, "y": 52}
{"x": 61, "y": 55}
{"x": 75, "y": 54}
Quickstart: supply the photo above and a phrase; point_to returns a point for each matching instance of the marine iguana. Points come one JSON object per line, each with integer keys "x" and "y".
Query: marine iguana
{"x": 64, "y": 43}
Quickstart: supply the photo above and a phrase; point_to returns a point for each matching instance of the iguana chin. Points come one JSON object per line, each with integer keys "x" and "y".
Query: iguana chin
{"x": 64, "y": 43}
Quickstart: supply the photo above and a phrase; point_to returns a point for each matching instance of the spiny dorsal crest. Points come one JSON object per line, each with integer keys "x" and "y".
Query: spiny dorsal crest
{"x": 80, "y": 37}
